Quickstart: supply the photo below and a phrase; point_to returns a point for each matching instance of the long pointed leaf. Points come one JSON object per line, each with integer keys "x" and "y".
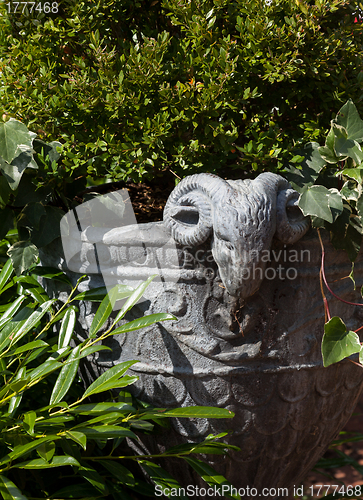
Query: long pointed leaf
{"x": 112, "y": 374}
{"x": 9, "y": 491}
{"x": 10, "y": 313}
{"x": 136, "y": 324}
{"x": 212, "y": 477}
{"x": 65, "y": 377}
{"x": 15, "y": 400}
{"x": 67, "y": 327}
{"x": 131, "y": 301}
{"x": 32, "y": 321}
{"x": 21, "y": 450}
{"x": 6, "y": 273}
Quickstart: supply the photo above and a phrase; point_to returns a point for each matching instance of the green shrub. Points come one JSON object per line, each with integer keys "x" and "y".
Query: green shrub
{"x": 49, "y": 423}
{"x": 139, "y": 88}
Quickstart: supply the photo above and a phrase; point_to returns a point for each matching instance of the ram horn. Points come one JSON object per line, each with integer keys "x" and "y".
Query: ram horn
{"x": 188, "y": 211}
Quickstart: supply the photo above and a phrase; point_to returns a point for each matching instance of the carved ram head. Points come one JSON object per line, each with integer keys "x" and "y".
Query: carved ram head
{"x": 241, "y": 217}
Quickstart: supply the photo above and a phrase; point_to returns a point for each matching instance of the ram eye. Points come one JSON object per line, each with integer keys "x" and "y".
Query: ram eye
{"x": 229, "y": 245}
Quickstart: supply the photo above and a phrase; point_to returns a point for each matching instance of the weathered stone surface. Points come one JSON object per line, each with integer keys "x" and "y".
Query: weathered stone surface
{"x": 253, "y": 348}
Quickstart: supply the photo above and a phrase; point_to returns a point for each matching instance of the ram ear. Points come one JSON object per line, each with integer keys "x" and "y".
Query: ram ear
{"x": 185, "y": 215}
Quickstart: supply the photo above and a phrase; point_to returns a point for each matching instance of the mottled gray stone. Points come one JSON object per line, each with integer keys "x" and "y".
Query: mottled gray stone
{"x": 248, "y": 332}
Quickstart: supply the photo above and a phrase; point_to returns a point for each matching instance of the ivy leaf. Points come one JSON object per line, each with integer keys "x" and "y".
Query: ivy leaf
{"x": 23, "y": 255}
{"x": 321, "y": 202}
{"x": 345, "y": 147}
{"x": 338, "y": 342}
{"x": 327, "y": 152}
{"x": 312, "y": 164}
{"x": 12, "y": 134}
{"x": 349, "y": 118}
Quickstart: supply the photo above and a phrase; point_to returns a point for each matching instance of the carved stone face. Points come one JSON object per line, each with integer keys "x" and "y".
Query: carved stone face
{"x": 239, "y": 235}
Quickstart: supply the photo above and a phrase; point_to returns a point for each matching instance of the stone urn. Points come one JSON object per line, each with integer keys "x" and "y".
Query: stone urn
{"x": 239, "y": 268}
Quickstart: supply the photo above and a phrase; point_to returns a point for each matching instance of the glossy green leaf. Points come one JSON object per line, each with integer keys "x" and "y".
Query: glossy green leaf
{"x": 67, "y": 327}
{"x": 23, "y": 255}
{"x": 51, "y": 273}
{"x": 39, "y": 463}
{"x": 148, "y": 320}
{"x": 81, "y": 491}
{"x": 6, "y": 272}
{"x": 111, "y": 375}
{"x": 78, "y": 437}
{"x": 46, "y": 451}
{"x": 212, "y": 477}
{"x": 32, "y": 286}
{"x": 93, "y": 295}
{"x": 66, "y": 377}
{"x": 134, "y": 297}
{"x": 29, "y": 421}
{"x": 9, "y": 491}
{"x": 338, "y": 342}
{"x": 15, "y": 400}
{"x": 29, "y": 347}
{"x": 100, "y": 408}
{"x": 353, "y": 173}
{"x": 190, "y": 412}
{"x": 94, "y": 478}
{"x": 102, "y": 314}
{"x": 120, "y": 472}
{"x": 106, "y": 432}
{"x": 21, "y": 450}
{"x": 30, "y": 323}
{"x": 311, "y": 166}
{"x": 162, "y": 478}
{"x": 11, "y": 311}
{"x": 43, "y": 370}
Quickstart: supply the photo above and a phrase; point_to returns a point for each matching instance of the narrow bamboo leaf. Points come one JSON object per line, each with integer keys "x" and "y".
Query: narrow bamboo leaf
{"x": 136, "y": 324}
{"x": 100, "y": 408}
{"x": 9, "y": 491}
{"x": 109, "y": 385}
{"x": 46, "y": 451}
{"x": 161, "y": 478}
{"x": 212, "y": 477}
{"x": 21, "y": 450}
{"x": 6, "y": 273}
{"x": 9, "y": 330}
{"x": 77, "y": 437}
{"x": 18, "y": 384}
{"x": 112, "y": 374}
{"x": 120, "y": 472}
{"x": 338, "y": 343}
{"x": 105, "y": 432}
{"x": 15, "y": 400}
{"x": 32, "y": 321}
{"x": 93, "y": 477}
{"x": 134, "y": 297}
{"x": 65, "y": 377}
{"x": 29, "y": 421}
{"x": 39, "y": 463}
{"x": 67, "y": 327}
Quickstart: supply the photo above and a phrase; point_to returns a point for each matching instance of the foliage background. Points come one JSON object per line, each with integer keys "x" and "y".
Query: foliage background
{"x": 143, "y": 88}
